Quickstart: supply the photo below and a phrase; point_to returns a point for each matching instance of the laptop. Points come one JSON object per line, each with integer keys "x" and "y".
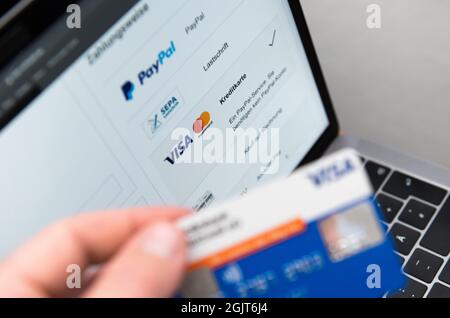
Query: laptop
{"x": 91, "y": 93}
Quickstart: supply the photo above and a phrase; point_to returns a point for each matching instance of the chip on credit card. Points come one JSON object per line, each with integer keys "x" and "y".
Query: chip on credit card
{"x": 314, "y": 234}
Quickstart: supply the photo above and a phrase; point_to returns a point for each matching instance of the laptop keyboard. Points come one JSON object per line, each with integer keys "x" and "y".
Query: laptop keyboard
{"x": 417, "y": 216}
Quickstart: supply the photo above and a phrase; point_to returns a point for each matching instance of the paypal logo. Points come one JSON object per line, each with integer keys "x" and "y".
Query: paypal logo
{"x": 127, "y": 90}
{"x": 155, "y": 67}
{"x": 146, "y": 74}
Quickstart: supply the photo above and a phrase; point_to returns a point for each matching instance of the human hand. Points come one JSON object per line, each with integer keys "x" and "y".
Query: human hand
{"x": 131, "y": 253}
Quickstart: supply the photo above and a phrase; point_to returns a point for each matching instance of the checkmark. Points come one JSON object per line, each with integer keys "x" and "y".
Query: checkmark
{"x": 273, "y": 37}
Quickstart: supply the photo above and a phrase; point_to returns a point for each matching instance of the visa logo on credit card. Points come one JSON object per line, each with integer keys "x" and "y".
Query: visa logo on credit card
{"x": 332, "y": 172}
{"x": 318, "y": 235}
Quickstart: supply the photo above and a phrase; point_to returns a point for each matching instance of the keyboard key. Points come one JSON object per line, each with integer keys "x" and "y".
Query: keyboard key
{"x": 404, "y": 238}
{"x": 377, "y": 174}
{"x": 389, "y": 206}
{"x": 417, "y": 214}
{"x": 404, "y": 186}
{"x": 445, "y": 274}
{"x": 413, "y": 289}
{"x": 423, "y": 265}
{"x": 439, "y": 291}
{"x": 437, "y": 237}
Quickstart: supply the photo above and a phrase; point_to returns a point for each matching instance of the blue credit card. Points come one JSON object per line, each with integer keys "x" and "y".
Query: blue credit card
{"x": 277, "y": 251}
{"x": 319, "y": 262}
{"x": 343, "y": 255}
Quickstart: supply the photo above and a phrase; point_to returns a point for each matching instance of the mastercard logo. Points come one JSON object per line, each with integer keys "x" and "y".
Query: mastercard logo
{"x": 202, "y": 122}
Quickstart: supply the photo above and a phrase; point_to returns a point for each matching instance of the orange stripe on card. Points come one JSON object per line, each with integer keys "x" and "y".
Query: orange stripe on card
{"x": 251, "y": 246}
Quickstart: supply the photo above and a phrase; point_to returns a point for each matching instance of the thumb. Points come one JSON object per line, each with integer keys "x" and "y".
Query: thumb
{"x": 150, "y": 265}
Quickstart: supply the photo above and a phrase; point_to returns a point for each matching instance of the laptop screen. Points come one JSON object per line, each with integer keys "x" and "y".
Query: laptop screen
{"x": 156, "y": 102}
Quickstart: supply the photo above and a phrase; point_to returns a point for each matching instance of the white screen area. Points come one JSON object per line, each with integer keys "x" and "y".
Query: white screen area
{"x": 82, "y": 146}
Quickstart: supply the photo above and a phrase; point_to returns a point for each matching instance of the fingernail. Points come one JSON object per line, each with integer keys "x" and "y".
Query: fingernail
{"x": 161, "y": 240}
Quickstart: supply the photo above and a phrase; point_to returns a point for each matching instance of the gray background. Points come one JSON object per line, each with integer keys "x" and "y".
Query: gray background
{"x": 390, "y": 85}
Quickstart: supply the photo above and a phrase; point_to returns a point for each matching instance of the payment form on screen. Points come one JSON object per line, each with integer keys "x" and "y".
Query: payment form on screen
{"x": 100, "y": 135}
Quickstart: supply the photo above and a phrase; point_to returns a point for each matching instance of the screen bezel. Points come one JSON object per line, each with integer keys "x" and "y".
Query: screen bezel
{"x": 30, "y": 18}
{"x": 332, "y": 131}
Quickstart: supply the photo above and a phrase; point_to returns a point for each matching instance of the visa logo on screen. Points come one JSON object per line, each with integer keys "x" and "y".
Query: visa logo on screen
{"x": 128, "y": 88}
{"x": 179, "y": 150}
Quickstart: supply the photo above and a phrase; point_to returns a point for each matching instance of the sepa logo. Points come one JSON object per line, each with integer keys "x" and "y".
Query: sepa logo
{"x": 128, "y": 88}
{"x": 169, "y": 107}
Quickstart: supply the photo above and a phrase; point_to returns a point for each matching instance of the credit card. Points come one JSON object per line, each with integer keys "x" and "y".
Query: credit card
{"x": 314, "y": 234}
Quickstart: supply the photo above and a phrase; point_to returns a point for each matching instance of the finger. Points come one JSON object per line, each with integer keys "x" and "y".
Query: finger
{"x": 83, "y": 240}
{"x": 151, "y": 265}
